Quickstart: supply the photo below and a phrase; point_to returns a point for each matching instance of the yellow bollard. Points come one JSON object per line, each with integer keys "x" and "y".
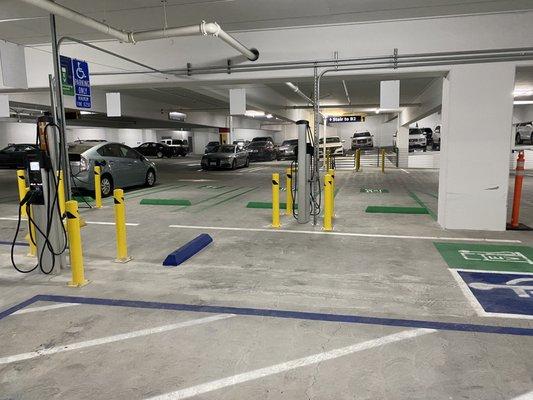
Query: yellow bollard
{"x": 61, "y": 193}
{"x": 120, "y": 225}
{"x": 29, "y": 236}
{"x": 355, "y": 160}
{"x": 74, "y": 244}
{"x": 21, "y": 182}
{"x": 97, "y": 187}
{"x": 288, "y": 192}
{"x": 328, "y": 211}
{"x": 358, "y": 160}
{"x": 275, "y": 201}
{"x": 382, "y": 160}
{"x": 331, "y": 173}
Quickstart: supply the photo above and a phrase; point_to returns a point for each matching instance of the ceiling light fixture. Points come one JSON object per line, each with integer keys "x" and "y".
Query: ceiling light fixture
{"x": 254, "y": 113}
{"x": 522, "y": 102}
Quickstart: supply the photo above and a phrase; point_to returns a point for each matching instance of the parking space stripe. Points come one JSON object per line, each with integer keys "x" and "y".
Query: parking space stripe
{"x": 290, "y": 365}
{"x": 44, "y": 308}
{"x": 227, "y": 199}
{"x": 369, "y": 235}
{"x": 110, "y": 339}
{"x": 302, "y": 315}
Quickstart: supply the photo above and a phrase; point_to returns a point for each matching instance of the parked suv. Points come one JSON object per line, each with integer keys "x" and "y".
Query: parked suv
{"x": 524, "y": 132}
{"x": 333, "y": 146}
{"x": 181, "y": 146}
{"x": 288, "y": 149}
{"x": 263, "y": 139}
{"x": 429, "y": 135}
{"x": 417, "y": 139}
{"x": 362, "y": 140}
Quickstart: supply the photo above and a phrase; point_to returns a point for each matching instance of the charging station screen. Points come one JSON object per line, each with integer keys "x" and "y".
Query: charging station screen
{"x": 34, "y": 166}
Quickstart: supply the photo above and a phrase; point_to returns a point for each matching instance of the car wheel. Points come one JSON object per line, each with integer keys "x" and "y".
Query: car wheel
{"x": 159, "y": 154}
{"x": 425, "y": 149}
{"x": 518, "y": 139}
{"x": 247, "y": 163}
{"x": 150, "y": 178}
{"x": 106, "y": 185}
{"x": 170, "y": 155}
{"x": 183, "y": 154}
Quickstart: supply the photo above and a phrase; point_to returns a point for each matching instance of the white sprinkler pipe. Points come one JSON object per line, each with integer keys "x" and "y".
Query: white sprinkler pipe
{"x": 204, "y": 28}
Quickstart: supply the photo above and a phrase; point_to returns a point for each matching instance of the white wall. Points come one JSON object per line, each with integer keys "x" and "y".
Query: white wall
{"x": 523, "y": 113}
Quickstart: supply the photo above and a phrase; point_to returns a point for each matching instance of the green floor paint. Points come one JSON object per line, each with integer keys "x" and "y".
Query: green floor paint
{"x": 165, "y": 202}
{"x": 82, "y": 199}
{"x": 487, "y": 257}
{"x": 396, "y": 210}
{"x": 367, "y": 190}
{"x": 422, "y": 204}
{"x": 264, "y": 205}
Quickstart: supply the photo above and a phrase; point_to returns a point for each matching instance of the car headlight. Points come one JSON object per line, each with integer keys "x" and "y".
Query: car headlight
{"x": 84, "y": 164}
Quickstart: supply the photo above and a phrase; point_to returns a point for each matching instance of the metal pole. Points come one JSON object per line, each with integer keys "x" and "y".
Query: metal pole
{"x": 316, "y": 185}
{"x": 60, "y": 117}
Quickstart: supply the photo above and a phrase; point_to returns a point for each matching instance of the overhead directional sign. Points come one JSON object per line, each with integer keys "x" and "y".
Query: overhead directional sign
{"x": 502, "y": 294}
{"x": 82, "y": 84}
{"x": 67, "y": 81}
{"x": 346, "y": 118}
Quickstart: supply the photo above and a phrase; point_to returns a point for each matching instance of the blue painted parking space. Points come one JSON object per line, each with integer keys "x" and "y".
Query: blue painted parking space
{"x": 507, "y": 294}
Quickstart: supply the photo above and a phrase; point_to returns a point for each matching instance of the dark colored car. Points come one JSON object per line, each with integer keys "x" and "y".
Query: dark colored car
{"x": 265, "y": 151}
{"x": 14, "y": 155}
{"x": 288, "y": 149}
{"x": 159, "y": 150}
{"x": 226, "y": 156}
{"x": 211, "y": 147}
{"x": 263, "y": 139}
{"x": 429, "y": 135}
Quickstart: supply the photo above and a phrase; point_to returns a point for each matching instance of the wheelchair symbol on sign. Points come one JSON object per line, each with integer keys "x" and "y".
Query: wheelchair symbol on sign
{"x": 80, "y": 73}
{"x": 516, "y": 285}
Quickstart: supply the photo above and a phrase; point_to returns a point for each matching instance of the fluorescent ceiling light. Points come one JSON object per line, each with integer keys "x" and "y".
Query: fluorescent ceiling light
{"x": 176, "y": 116}
{"x": 522, "y": 92}
{"x": 254, "y": 113}
{"x": 522, "y": 102}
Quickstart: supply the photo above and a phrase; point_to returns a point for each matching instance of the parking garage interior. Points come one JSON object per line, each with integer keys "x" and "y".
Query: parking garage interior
{"x": 165, "y": 236}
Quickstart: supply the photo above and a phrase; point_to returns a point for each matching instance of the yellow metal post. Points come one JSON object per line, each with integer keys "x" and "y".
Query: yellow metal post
{"x": 31, "y": 233}
{"x": 275, "y": 201}
{"x": 21, "y": 182}
{"x": 74, "y": 244}
{"x": 358, "y": 160}
{"x": 382, "y": 160}
{"x": 328, "y": 211}
{"x": 288, "y": 192}
{"x": 97, "y": 187}
{"x": 120, "y": 225}
{"x": 331, "y": 173}
{"x": 61, "y": 192}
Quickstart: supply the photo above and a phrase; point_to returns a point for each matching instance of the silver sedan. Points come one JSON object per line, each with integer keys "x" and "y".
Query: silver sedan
{"x": 121, "y": 166}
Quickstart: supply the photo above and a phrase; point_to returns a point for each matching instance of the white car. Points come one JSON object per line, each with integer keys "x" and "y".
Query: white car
{"x": 524, "y": 132}
{"x": 417, "y": 139}
{"x": 334, "y": 146}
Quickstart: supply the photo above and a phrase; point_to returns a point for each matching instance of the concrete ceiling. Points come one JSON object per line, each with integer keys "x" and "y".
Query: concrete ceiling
{"x": 24, "y": 24}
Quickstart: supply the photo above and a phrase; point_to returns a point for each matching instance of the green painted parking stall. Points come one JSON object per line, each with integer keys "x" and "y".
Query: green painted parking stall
{"x": 485, "y": 257}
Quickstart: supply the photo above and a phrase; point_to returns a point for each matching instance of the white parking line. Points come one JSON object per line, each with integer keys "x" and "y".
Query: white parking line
{"x": 407, "y": 172}
{"x": 370, "y": 235}
{"x": 290, "y": 365}
{"x": 525, "y": 396}
{"x": 110, "y": 339}
{"x": 88, "y": 222}
{"x": 44, "y": 308}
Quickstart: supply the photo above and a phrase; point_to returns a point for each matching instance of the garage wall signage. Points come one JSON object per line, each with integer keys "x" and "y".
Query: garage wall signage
{"x": 82, "y": 85}
{"x": 346, "y": 118}
{"x": 67, "y": 81}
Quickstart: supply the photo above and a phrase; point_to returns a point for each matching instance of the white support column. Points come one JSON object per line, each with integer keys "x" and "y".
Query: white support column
{"x": 402, "y": 142}
{"x": 477, "y": 111}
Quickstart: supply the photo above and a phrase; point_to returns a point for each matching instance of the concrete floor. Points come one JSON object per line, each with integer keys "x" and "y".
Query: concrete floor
{"x": 234, "y": 355}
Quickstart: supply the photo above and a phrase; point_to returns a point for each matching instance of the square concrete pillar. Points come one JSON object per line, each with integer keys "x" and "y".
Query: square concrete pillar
{"x": 477, "y": 110}
{"x": 402, "y": 143}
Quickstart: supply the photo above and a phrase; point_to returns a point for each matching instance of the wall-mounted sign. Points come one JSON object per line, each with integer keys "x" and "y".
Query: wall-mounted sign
{"x": 82, "y": 84}
{"x": 346, "y": 118}
{"x": 67, "y": 82}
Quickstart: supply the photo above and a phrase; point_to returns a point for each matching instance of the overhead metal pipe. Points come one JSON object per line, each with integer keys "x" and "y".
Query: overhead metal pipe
{"x": 297, "y": 90}
{"x": 204, "y": 28}
{"x": 346, "y": 91}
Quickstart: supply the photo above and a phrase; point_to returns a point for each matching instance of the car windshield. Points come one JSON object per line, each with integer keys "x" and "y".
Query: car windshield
{"x": 213, "y": 144}
{"x": 415, "y": 132}
{"x": 330, "y": 140}
{"x": 226, "y": 149}
{"x": 261, "y": 139}
{"x": 79, "y": 148}
{"x": 257, "y": 144}
{"x": 289, "y": 142}
{"x": 361, "y": 134}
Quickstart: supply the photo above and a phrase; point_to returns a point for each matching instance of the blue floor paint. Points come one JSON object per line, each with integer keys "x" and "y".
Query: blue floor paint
{"x": 353, "y": 319}
{"x": 9, "y": 243}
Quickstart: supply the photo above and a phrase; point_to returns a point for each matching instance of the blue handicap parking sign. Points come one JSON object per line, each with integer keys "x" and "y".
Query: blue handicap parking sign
{"x": 501, "y": 293}
{"x": 82, "y": 83}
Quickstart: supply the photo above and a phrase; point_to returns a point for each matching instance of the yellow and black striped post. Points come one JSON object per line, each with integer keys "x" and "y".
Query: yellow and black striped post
{"x": 328, "y": 210}
{"x": 120, "y": 225}
{"x": 74, "y": 245}
{"x": 288, "y": 192}
{"x": 97, "y": 186}
{"x": 21, "y": 183}
{"x": 275, "y": 201}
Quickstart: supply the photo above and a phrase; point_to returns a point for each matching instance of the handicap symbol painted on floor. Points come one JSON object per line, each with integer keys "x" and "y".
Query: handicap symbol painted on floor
{"x": 503, "y": 294}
